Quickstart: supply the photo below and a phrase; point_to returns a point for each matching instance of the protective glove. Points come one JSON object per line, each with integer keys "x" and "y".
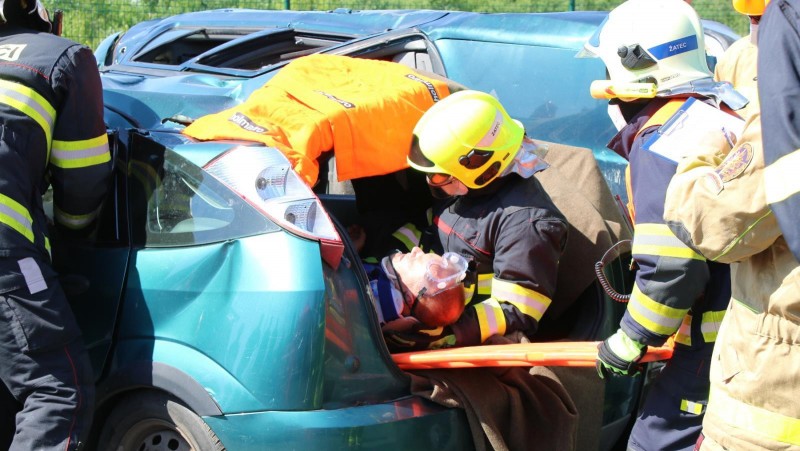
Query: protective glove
{"x": 416, "y": 339}
{"x": 619, "y": 355}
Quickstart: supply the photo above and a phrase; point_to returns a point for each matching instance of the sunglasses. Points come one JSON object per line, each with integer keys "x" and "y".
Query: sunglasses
{"x": 438, "y": 180}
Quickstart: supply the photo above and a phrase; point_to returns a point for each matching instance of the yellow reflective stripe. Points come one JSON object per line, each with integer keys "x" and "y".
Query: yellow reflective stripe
{"x": 74, "y": 222}
{"x": 684, "y": 334}
{"x": 80, "y": 154}
{"x": 32, "y": 104}
{"x": 657, "y": 318}
{"x": 691, "y": 407}
{"x": 485, "y": 284}
{"x": 754, "y": 420}
{"x": 47, "y": 246}
{"x": 658, "y": 239}
{"x": 780, "y": 178}
{"x": 408, "y": 235}
{"x": 468, "y": 293}
{"x": 490, "y": 318}
{"x": 710, "y": 325}
{"x": 14, "y": 215}
{"x": 529, "y": 302}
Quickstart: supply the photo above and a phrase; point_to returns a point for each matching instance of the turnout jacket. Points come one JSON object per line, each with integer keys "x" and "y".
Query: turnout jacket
{"x": 676, "y": 290}
{"x": 717, "y": 203}
{"x": 779, "y": 89}
{"x": 51, "y": 133}
{"x": 721, "y": 205}
{"x": 515, "y": 235}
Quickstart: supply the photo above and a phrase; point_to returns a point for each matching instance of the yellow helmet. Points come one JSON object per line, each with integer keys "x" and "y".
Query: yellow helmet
{"x": 750, "y": 7}
{"x": 467, "y": 135}
{"x": 659, "y": 41}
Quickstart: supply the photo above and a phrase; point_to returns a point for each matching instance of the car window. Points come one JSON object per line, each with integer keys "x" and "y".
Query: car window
{"x": 179, "y": 204}
{"x": 545, "y": 88}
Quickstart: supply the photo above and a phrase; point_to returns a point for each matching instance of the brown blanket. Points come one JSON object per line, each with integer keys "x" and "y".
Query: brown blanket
{"x": 511, "y": 408}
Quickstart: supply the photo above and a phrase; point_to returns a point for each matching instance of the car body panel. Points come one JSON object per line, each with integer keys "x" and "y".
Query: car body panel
{"x": 409, "y": 423}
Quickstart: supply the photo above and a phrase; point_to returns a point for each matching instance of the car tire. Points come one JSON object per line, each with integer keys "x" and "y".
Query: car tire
{"x": 155, "y": 421}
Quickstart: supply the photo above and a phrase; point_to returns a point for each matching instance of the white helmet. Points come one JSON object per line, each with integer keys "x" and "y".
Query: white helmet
{"x": 31, "y": 13}
{"x": 658, "y": 41}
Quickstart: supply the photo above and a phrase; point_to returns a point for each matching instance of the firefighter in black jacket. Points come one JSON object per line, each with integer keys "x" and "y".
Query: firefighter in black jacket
{"x": 51, "y": 114}
{"x": 497, "y": 216}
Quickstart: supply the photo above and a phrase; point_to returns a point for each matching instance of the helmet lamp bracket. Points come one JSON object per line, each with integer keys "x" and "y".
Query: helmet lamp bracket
{"x": 634, "y": 57}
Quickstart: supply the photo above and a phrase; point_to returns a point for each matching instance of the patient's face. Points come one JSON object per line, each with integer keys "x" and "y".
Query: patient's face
{"x": 411, "y": 268}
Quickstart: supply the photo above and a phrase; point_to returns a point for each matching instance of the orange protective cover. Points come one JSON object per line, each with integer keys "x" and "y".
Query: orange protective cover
{"x": 560, "y": 353}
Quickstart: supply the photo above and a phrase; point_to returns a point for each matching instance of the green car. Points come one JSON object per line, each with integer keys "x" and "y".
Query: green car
{"x": 221, "y": 301}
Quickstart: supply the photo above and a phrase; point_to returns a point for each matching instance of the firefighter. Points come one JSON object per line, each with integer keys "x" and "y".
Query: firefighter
{"x": 738, "y": 64}
{"x": 51, "y": 110}
{"x": 676, "y": 292}
{"x": 755, "y": 364}
{"x": 495, "y": 214}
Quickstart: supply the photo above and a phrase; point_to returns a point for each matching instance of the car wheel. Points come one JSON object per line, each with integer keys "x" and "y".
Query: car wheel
{"x": 156, "y": 422}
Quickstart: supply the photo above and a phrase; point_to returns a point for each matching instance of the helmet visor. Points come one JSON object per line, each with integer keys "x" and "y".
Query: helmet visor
{"x": 416, "y": 156}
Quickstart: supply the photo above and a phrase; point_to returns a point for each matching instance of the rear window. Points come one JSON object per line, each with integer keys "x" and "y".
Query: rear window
{"x": 232, "y": 48}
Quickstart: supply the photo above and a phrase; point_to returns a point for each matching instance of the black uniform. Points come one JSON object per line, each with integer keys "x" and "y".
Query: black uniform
{"x": 52, "y": 133}
{"x": 515, "y": 235}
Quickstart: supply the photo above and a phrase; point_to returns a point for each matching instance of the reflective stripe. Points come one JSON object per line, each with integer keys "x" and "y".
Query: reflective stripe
{"x": 691, "y": 407}
{"x": 80, "y": 154}
{"x": 469, "y": 292}
{"x": 485, "y": 284}
{"x": 32, "y": 104}
{"x": 684, "y": 334}
{"x": 490, "y": 319}
{"x": 753, "y": 306}
{"x": 529, "y": 302}
{"x": 658, "y": 239}
{"x": 710, "y": 325}
{"x": 14, "y": 215}
{"x": 74, "y": 222}
{"x": 32, "y": 274}
{"x": 780, "y": 178}
{"x": 408, "y": 235}
{"x": 658, "y": 318}
{"x": 754, "y": 420}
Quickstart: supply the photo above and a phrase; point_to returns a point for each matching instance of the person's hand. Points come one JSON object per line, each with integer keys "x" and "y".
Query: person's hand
{"x": 710, "y": 146}
{"x": 418, "y": 339}
{"x": 619, "y": 355}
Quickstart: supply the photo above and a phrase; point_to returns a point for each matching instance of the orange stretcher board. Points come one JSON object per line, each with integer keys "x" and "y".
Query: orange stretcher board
{"x": 562, "y": 353}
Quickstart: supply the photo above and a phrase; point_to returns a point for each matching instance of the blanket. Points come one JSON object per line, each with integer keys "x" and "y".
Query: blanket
{"x": 511, "y": 408}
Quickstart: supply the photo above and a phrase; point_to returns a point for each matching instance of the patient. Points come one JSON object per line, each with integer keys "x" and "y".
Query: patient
{"x": 418, "y": 287}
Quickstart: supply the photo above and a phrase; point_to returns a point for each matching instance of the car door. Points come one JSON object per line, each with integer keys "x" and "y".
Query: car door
{"x": 92, "y": 270}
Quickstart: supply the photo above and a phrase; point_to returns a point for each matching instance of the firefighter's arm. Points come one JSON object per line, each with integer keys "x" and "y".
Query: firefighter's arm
{"x": 716, "y": 204}
{"x": 528, "y": 247}
{"x": 80, "y": 161}
{"x": 671, "y": 275}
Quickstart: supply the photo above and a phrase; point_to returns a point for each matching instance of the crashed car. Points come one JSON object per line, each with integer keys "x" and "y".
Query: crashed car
{"x": 221, "y": 301}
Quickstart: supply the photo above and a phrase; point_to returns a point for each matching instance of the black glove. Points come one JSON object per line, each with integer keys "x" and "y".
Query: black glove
{"x": 418, "y": 339}
{"x": 619, "y": 355}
